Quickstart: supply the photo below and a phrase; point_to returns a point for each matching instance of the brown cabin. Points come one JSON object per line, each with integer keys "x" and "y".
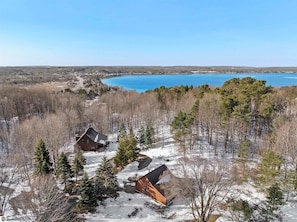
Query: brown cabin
{"x": 156, "y": 184}
{"x": 90, "y": 140}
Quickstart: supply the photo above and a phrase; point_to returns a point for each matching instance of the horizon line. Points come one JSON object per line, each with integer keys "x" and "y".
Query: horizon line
{"x": 206, "y": 66}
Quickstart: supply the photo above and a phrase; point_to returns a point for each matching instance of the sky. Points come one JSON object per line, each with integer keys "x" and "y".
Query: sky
{"x": 148, "y": 32}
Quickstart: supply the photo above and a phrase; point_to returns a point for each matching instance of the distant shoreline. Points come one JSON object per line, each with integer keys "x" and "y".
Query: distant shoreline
{"x": 37, "y": 74}
{"x": 142, "y": 83}
{"x": 140, "y": 70}
{"x": 111, "y": 75}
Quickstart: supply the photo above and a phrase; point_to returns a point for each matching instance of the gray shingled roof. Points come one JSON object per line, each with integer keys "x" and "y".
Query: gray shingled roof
{"x": 160, "y": 178}
{"x": 94, "y": 136}
{"x": 154, "y": 176}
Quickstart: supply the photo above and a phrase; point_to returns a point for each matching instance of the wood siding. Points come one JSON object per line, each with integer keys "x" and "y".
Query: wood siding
{"x": 86, "y": 144}
{"x": 144, "y": 186}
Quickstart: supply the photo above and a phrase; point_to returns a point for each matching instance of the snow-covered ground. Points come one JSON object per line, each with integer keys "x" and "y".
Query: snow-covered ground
{"x": 136, "y": 206}
{"x": 122, "y": 208}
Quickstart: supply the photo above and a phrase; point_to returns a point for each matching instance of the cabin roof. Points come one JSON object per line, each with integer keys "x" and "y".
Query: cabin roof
{"x": 161, "y": 178}
{"x": 94, "y": 136}
{"x": 155, "y": 175}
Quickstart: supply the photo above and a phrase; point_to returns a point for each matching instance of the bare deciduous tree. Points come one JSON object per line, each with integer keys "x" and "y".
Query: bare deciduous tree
{"x": 209, "y": 114}
{"x": 204, "y": 186}
{"x": 285, "y": 144}
{"x": 50, "y": 128}
{"x": 8, "y": 180}
{"x": 51, "y": 204}
{"x": 54, "y": 134}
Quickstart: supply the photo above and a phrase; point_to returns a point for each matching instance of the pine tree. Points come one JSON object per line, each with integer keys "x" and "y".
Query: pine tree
{"x": 274, "y": 198}
{"x": 149, "y": 131}
{"x": 121, "y": 159}
{"x": 141, "y": 136}
{"x": 127, "y": 150}
{"x": 63, "y": 168}
{"x": 79, "y": 155}
{"x": 132, "y": 149}
{"x": 270, "y": 167}
{"x": 144, "y": 136}
{"x": 78, "y": 163}
{"x": 42, "y": 162}
{"x": 181, "y": 129}
{"x": 87, "y": 201}
{"x": 76, "y": 167}
{"x": 243, "y": 156}
{"x": 122, "y": 131}
{"x": 106, "y": 184}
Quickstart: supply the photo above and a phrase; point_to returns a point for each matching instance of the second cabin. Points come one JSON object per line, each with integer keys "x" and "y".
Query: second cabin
{"x": 91, "y": 140}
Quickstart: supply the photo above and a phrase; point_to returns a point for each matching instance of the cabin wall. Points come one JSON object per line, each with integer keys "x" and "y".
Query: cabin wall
{"x": 86, "y": 144}
{"x": 144, "y": 186}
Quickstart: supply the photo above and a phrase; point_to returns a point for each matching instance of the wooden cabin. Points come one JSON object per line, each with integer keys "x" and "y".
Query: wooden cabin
{"x": 90, "y": 140}
{"x": 156, "y": 184}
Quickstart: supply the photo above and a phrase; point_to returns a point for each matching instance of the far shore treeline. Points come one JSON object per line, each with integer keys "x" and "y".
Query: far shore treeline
{"x": 37, "y": 74}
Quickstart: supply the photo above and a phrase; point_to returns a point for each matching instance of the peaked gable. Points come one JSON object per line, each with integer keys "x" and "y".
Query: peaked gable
{"x": 155, "y": 175}
{"x": 93, "y": 135}
{"x": 156, "y": 184}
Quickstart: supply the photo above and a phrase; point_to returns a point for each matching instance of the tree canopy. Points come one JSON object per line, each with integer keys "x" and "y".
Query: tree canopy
{"x": 42, "y": 162}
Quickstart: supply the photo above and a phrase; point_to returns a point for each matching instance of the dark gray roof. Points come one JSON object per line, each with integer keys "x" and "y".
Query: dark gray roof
{"x": 94, "y": 136}
{"x": 161, "y": 178}
{"x": 155, "y": 175}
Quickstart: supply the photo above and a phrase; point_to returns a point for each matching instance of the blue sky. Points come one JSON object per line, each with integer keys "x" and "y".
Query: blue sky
{"x": 148, "y": 32}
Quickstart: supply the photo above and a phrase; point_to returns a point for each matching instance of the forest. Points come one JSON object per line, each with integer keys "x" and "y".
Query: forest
{"x": 246, "y": 123}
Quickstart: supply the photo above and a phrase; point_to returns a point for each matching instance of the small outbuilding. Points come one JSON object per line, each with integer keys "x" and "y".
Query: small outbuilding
{"x": 157, "y": 184}
{"x": 91, "y": 140}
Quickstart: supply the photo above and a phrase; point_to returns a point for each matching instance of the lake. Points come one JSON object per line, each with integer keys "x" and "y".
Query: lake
{"x": 141, "y": 83}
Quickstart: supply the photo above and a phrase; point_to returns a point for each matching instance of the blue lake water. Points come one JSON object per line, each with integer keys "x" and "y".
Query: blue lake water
{"x": 141, "y": 83}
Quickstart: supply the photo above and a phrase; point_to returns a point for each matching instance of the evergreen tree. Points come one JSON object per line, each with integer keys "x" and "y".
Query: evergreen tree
{"x": 87, "y": 201}
{"x": 241, "y": 208}
{"x": 76, "y": 167}
{"x": 106, "y": 184}
{"x": 243, "y": 156}
{"x": 274, "y": 200}
{"x": 42, "y": 162}
{"x": 121, "y": 159}
{"x": 270, "y": 167}
{"x": 141, "y": 136}
{"x": 78, "y": 163}
{"x": 289, "y": 182}
{"x": 122, "y": 131}
{"x": 144, "y": 136}
{"x": 242, "y": 98}
{"x": 127, "y": 150}
{"x": 79, "y": 155}
{"x": 181, "y": 129}
{"x": 149, "y": 131}
{"x": 63, "y": 168}
{"x": 132, "y": 149}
